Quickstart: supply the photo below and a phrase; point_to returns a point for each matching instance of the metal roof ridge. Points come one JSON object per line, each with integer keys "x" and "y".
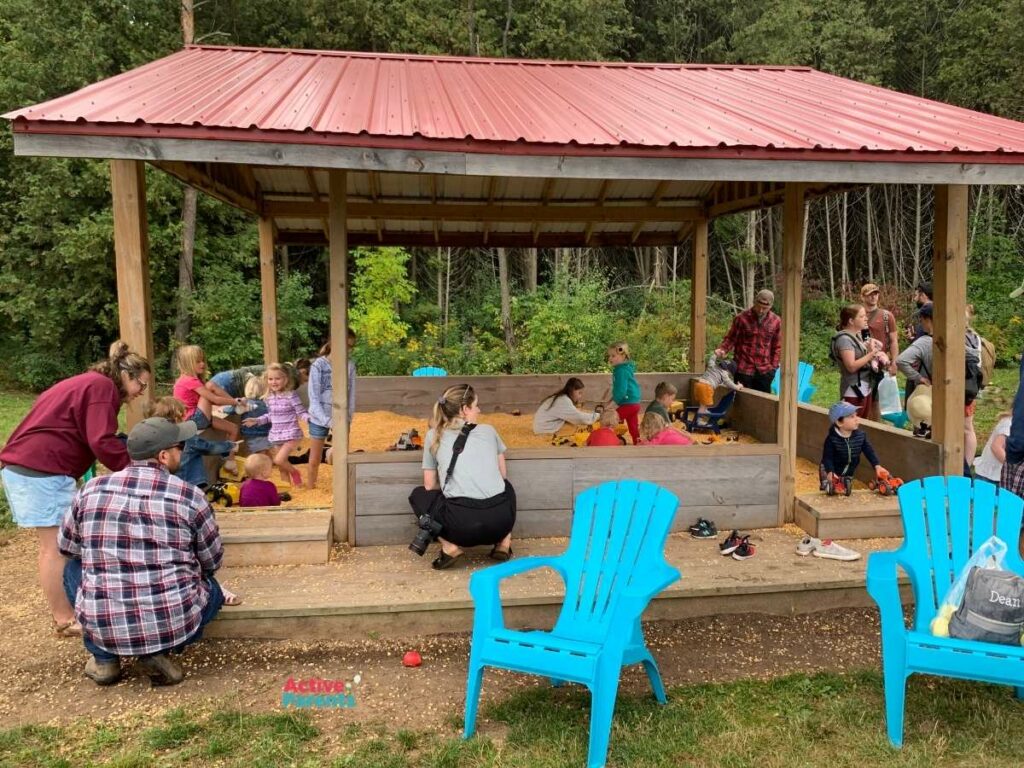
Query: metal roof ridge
{"x": 496, "y": 60}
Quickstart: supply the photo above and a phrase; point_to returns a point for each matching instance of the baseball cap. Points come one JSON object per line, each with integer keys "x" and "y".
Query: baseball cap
{"x": 926, "y": 310}
{"x": 840, "y": 411}
{"x": 765, "y": 296}
{"x": 869, "y": 288}
{"x": 156, "y": 434}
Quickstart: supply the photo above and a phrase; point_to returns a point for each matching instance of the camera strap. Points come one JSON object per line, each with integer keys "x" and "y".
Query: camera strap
{"x": 460, "y": 445}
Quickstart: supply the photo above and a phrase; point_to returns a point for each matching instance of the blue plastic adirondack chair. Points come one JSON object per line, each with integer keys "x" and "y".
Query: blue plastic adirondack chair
{"x": 804, "y": 387}
{"x": 714, "y": 419}
{"x": 613, "y": 567}
{"x": 430, "y": 370}
{"x": 944, "y": 520}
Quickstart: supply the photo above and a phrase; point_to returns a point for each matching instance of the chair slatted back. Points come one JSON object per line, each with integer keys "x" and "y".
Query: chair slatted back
{"x": 430, "y": 370}
{"x": 945, "y": 520}
{"x": 722, "y": 406}
{"x": 618, "y": 539}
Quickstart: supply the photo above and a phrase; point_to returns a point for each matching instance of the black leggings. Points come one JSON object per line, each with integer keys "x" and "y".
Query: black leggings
{"x": 470, "y": 522}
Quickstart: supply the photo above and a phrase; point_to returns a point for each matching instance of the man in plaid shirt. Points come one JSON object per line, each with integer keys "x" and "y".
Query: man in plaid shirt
{"x": 756, "y": 338}
{"x": 144, "y": 546}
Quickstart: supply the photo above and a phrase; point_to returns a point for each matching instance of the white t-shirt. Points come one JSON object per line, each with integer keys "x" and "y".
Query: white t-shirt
{"x": 987, "y": 465}
{"x": 476, "y": 475}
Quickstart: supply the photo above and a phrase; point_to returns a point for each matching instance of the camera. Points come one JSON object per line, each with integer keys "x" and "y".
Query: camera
{"x": 429, "y": 530}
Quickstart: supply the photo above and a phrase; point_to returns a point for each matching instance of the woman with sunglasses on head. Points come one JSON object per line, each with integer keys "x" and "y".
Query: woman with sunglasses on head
{"x": 70, "y": 426}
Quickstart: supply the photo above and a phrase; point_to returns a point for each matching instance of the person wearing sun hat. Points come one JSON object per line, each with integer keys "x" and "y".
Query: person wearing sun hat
{"x": 143, "y": 548}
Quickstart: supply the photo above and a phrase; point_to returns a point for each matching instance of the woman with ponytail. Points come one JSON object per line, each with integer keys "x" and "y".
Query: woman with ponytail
{"x": 70, "y": 426}
{"x": 474, "y": 504}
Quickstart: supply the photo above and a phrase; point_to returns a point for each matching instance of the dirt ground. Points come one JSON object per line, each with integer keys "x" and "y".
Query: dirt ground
{"x": 43, "y": 682}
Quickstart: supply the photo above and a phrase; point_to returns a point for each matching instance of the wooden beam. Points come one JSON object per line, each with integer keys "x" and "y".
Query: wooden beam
{"x": 503, "y": 212}
{"x": 949, "y": 324}
{"x": 659, "y": 192}
{"x": 315, "y": 192}
{"x": 956, "y": 168}
{"x": 491, "y": 183}
{"x": 205, "y": 180}
{"x": 372, "y": 182}
{"x": 425, "y": 238}
{"x": 792, "y": 279}
{"x": 545, "y": 196}
{"x": 699, "y": 297}
{"x": 601, "y": 195}
{"x": 337, "y": 292}
{"x": 268, "y": 291}
{"x": 772, "y": 195}
{"x": 131, "y": 255}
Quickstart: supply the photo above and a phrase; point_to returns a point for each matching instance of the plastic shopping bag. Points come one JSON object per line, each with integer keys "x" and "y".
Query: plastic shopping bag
{"x": 990, "y": 555}
{"x": 889, "y": 395}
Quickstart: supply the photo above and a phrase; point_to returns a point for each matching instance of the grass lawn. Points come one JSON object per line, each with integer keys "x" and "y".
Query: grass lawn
{"x": 801, "y": 720}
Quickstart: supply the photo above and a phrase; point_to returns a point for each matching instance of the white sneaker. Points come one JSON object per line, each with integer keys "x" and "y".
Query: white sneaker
{"x": 807, "y": 545}
{"x": 829, "y": 549}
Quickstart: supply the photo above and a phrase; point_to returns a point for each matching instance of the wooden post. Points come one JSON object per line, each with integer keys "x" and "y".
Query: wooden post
{"x": 792, "y": 277}
{"x": 699, "y": 297}
{"x": 337, "y": 292}
{"x": 268, "y": 288}
{"x": 949, "y": 324}
{"x": 131, "y": 255}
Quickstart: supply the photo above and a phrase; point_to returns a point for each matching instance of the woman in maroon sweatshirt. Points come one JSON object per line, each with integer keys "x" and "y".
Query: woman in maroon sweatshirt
{"x": 70, "y": 425}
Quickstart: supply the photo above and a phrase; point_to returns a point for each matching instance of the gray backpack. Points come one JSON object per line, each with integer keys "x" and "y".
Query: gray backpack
{"x": 992, "y": 610}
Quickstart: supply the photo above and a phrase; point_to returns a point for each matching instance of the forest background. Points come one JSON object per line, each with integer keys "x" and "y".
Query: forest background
{"x": 486, "y": 310}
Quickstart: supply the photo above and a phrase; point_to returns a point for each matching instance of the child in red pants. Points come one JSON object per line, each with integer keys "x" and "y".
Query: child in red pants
{"x": 625, "y": 388}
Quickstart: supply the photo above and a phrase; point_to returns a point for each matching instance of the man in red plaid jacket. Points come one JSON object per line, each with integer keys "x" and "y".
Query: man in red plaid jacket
{"x": 755, "y": 338}
{"x": 144, "y": 546}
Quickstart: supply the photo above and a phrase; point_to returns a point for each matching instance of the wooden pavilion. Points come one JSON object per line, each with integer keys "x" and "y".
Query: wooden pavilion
{"x": 374, "y": 149}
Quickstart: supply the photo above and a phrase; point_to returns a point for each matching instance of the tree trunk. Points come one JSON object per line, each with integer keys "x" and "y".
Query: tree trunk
{"x": 474, "y": 45}
{"x": 728, "y": 277}
{"x": 530, "y": 269}
{"x": 440, "y": 284}
{"x": 871, "y": 252}
{"x": 447, "y": 294}
{"x": 186, "y": 281}
{"x": 843, "y": 228}
{"x": 749, "y": 265}
{"x": 917, "y": 240}
{"x": 285, "y": 265}
{"x": 770, "y": 217}
{"x": 504, "y": 34}
{"x": 506, "y": 299}
{"x": 828, "y": 242}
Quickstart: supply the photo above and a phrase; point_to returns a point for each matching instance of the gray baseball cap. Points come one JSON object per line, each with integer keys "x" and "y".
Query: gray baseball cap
{"x": 156, "y": 434}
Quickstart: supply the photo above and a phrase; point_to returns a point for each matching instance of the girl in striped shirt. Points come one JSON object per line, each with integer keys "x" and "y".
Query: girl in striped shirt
{"x": 283, "y": 414}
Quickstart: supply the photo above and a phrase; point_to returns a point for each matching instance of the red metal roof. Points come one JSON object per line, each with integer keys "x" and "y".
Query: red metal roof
{"x": 582, "y": 108}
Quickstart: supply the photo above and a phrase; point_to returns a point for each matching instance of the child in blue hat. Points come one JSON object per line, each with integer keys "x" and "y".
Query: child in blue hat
{"x": 844, "y": 445}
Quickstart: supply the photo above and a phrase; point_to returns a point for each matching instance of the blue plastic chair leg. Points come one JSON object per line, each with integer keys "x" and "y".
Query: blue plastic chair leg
{"x": 1019, "y": 693}
{"x": 895, "y": 674}
{"x": 473, "y": 683}
{"x": 654, "y": 676}
{"x": 602, "y": 708}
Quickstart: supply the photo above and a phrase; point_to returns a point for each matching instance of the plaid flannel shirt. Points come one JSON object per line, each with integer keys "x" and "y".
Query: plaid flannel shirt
{"x": 757, "y": 343}
{"x": 146, "y": 540}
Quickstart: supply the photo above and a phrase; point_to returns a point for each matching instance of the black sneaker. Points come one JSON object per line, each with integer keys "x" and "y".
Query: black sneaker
{"x": 744, "y": 551}
{"x": 703, "y": 529}
{"x": 731, "y": 543}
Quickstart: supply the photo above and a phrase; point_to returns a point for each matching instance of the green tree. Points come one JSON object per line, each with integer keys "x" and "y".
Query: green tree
{"x": 379, "y": 287}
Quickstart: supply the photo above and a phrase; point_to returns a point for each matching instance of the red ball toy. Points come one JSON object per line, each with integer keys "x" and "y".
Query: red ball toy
{"x": 412, "y": 659}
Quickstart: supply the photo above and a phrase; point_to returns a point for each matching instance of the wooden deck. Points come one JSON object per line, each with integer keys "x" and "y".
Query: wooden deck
{"x": 382, "y": 591}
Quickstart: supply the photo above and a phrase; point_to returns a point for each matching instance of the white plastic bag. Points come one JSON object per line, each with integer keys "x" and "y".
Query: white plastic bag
{"x": 889, "y": 395}
{"x": 991, "y": 554}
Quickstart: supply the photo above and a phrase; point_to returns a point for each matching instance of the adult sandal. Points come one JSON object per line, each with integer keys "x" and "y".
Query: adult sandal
{"x": 444, "y": 560}
{"x": 69, "y": 628}
{"x": 501, "y": 555}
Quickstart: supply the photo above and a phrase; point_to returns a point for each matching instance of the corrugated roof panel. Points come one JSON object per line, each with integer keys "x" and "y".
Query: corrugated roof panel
{"x": 587, "y": 108}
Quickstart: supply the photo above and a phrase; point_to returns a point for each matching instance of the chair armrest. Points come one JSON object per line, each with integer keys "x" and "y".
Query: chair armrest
{"x": 483, "y": 586}
{"x": 633, "y": 600}
{"x": 883, "y": 585}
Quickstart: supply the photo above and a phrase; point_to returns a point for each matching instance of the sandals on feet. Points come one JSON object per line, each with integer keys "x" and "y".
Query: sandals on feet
{"x": 69, "y": 628}
{"x": 230, "y": 598}
{"x": 444, "y": 560}
{"x": 501, "y": 555}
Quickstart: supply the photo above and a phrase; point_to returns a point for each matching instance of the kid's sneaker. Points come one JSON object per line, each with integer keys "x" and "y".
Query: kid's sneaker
{"x": 832, "y": 551}
{"x": 703, "y": 529}
{"x": 731, "y": 544}
{"x": 745, "y": 550}
{"x": 807, "y": 545}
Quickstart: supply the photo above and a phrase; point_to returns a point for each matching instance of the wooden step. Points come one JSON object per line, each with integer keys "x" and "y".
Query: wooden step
{"x": 271, "y": 536}
{"x": 862, "y": 515}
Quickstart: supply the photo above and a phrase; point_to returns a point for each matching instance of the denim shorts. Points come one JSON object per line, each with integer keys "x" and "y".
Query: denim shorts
{"x": 38, "y": 502}
{"x": 317, "y": 432}
{"x": 257, "y": 444}
{"x": 200, "y": 419}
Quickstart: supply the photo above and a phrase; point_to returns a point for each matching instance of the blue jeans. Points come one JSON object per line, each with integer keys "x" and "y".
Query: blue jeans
{"x": 73, "y": 581}
{"x": 192, "y": 469}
